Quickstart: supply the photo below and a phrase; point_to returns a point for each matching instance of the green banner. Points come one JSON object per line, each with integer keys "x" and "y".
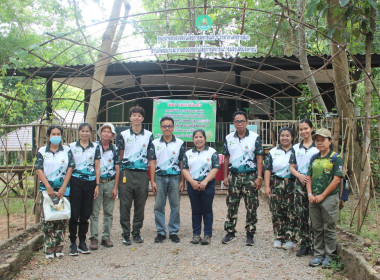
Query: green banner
{"x": 188, "y": 116}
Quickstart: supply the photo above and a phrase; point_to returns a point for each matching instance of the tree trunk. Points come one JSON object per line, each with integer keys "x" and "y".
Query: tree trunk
{"x": 364, "y": 189}
{"x": 104, "y": 58}
{"x": 303, "y": 57}
{"x": 344, "y": 102}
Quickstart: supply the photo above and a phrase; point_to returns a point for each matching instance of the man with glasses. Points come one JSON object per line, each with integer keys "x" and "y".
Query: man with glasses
{"x": 243, "y": 153}
{"x": 166, "y": 155}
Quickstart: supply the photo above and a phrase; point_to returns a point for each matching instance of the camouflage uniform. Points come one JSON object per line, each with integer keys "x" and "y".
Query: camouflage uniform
{"x": 281, "y": 206}
{"x": 301, "y": 222}
{"x": 282, "y": 193}
{"x": 242, "y": 185}
{"x": 54, "y": 231}
{"x": 324, "y": 214}
{"x": 243, "y": 173}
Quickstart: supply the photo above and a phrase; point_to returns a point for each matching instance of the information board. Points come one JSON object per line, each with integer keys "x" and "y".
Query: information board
{"x": 188, "y": 116}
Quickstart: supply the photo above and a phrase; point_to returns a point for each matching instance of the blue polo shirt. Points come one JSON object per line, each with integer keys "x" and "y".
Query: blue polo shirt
{"x": 167, "y": 155}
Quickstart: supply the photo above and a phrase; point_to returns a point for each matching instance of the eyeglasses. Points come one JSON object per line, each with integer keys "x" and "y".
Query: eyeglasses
{"x": 239, "y": 122}
{"x": 167, "y": 126}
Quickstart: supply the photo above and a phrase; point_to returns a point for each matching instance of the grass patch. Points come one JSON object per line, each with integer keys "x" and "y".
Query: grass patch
{"x": 16, "y": 207}
{"x": 370, "y": 227}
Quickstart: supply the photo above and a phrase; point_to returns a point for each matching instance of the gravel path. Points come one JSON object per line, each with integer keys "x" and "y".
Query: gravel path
{"x": 183, "y": 260}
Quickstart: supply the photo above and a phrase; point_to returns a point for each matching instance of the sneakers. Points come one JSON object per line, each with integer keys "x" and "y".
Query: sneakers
{"x": 288, "y": 245}
{"x": 196, "y": 239}
{"x": 126, "y": 240}
{"x": 138, "y": 239}
{"x": 107, "y": 243}
{"x": 249, "y": 241}
{"x": 206, "y": 240}
{"x": 303, "y": 251}
{"x": 59, "y": 252}
{"x": 73, "y": 249}
{"x": 316, "y": 261}
{"x": 94, "y": 244}
{"x": 174, "y": 238}
{"x": 277, "y": 244}
{"x": 49, "y": 256}
{"x": 82, "y": 248}
{"x": 326, "y": 263}
{"x": 159, "y": 238}
{"x": 230, "y": 236}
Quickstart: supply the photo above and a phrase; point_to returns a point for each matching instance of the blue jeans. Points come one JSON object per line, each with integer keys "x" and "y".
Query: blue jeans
{"x": 201, "y": 207}
{"x": 167, "y": 186}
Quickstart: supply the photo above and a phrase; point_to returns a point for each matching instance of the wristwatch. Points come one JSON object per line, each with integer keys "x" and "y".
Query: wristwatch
{"x": 259, "y": 177}
{"x": 309, "y": 194}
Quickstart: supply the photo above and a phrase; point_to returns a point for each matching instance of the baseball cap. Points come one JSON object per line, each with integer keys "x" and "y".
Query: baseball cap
{"x": 322, "y": 132}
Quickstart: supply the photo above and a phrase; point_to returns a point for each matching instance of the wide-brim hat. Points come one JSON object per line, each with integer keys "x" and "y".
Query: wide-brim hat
{"x": 322, "y": 132}
{"x": 109, "y": 125}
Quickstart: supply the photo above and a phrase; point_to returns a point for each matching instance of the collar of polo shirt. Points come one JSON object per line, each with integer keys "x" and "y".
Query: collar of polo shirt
{"x": 132, "y": 132}
{"x": 90, "y": 144}
{"x": 60, "y": 148}
{"x": 204, "y": 149}
{"x": 245, "y": 135}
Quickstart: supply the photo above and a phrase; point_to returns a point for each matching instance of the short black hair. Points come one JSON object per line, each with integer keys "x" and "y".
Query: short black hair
{"x": 48, "y": 131}
{"x": 84, "y": 124}
{"x": 201, "y": 131}
{"x": 167, "y": 119}
{"x": 240, "y": 113}
{"x": 137, "y": 109}
{"x": 288, "y": 129}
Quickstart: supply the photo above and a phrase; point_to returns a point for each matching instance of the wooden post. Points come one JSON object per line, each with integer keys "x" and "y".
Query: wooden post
{"x": 336, "y": 134}
{"x": 41, "y": 135}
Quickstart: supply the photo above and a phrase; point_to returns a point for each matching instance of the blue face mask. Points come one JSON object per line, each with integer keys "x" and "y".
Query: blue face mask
{"x": 55, "y": 140}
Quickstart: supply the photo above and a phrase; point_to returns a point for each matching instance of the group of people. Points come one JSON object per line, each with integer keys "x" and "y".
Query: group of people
{"x": 298, "y": 179}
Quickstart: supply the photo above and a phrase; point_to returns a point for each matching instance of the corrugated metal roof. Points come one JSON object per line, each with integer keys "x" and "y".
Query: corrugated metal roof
{"x": 21, "y": 138}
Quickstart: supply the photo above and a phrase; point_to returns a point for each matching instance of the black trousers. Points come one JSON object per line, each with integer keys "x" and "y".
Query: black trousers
{"x": 81, "y": 200}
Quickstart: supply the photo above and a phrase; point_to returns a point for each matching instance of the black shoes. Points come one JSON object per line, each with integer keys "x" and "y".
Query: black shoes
{"x": 230, "y": 236}
{"x": 303, "y": 251}
{"x": 159, "y": 238}
{"x": 82, "y": 248}
{"x": 249, "y": 241}
{"x": 174, "y": 238}
{"x": 73, "y": 249}
{"x": 138, "y": 239}
{"x": 126, "y": 240}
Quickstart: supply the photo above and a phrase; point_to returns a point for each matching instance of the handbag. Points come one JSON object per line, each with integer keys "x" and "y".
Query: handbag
{"x": 55, "y": 211}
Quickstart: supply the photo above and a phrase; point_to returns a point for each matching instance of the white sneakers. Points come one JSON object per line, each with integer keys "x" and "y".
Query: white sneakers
{"x": 277, "y": 244}
{"x": 287, "y": 246}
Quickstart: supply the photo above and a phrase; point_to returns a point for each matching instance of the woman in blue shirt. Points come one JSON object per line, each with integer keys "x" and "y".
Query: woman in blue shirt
{"x": 54, "y": 166}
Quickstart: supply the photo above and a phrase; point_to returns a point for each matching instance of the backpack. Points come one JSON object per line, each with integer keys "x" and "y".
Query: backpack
{"x": 343, "y": 193}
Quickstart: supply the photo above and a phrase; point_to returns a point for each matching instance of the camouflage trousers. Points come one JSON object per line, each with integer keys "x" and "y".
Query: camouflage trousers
{"x": 281, "y": 206}
{"x": 301, "y": 222}
{"x": 242, "y": 185}
{"x": 54, "y": 231}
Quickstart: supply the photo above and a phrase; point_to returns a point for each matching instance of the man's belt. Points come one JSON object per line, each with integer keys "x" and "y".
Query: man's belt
{"x": 244, "y": 173}
{"x": 137, "y": 170}
{"x": 103, "y": 181}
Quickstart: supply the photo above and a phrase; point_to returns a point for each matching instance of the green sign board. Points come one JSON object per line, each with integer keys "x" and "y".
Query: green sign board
{"x": 188, "y": 116}
{"x": 203, "y": 22}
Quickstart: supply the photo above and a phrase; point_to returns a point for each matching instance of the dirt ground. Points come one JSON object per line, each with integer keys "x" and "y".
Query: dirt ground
{"x": 183, "y": 260}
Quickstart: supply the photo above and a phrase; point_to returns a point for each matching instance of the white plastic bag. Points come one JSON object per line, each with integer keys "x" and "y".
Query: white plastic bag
{"x": 55, "y": 212}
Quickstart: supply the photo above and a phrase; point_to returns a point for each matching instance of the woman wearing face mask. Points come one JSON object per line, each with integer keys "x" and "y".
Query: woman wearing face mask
{"x": 279, "y": 188}
{"x": 199, "y": 168}
{"x": 84, "y": 187}
{"x": 54, "y": 166}
{"x": 299, "y": 165}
